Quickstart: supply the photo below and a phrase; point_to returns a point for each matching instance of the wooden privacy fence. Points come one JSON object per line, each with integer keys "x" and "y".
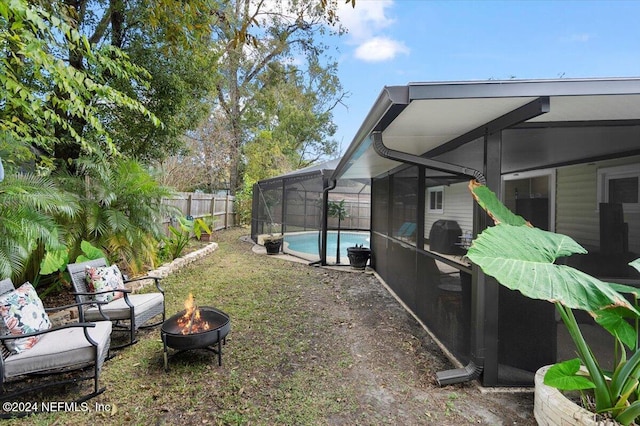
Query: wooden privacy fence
{"x": 196, "y": 204}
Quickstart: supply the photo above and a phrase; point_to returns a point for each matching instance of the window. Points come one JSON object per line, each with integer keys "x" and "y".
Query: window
{"x": 620, "y": 185}
{"x": 435, "y": 199}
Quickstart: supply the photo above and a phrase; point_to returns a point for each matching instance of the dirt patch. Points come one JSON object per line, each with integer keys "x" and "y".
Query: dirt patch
{"x": 395, "y": 361}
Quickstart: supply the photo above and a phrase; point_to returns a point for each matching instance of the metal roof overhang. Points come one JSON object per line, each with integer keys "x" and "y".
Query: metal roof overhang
{"x": 429, "y": 119}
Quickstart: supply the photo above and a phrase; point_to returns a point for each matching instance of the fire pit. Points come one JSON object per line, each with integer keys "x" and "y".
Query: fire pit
{"x": 202, "y": 327}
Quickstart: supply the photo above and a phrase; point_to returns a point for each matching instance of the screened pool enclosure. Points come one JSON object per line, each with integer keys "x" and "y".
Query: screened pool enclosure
{"x": 292, "y": 205}
{"x": 564, "y": 154}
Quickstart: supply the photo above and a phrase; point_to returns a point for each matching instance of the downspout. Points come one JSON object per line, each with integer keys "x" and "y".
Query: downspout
{"x": 325, "y": 219}
{"x": 472, "y": 370}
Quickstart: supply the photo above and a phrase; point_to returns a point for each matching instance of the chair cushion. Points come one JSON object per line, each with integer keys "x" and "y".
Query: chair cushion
{"x": 103, "y": 279}
{"x": 118, "y": 309}
{"x": 60, "y": 349}
{"x": 22, "y": 312}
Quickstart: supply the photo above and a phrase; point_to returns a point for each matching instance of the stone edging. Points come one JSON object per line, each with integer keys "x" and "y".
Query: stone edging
{"x": 164, "y": 270}
{"x": 552, "y": 408}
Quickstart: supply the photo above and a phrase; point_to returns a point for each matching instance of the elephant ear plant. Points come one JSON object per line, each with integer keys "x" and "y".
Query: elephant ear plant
{"x": 522, "y": 257}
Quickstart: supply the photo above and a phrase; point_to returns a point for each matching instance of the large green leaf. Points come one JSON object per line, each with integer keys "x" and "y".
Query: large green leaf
{"x": 521, "y": 258}
{"x": 54, "y": 261}
{"x": 90, "y": 252}
{"x": 564, "y": 376}
{"x": 613, "y": 320}
{"x": 489, "y": 202}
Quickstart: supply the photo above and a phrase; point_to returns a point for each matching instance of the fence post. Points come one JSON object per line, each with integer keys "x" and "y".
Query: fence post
{"x": 226, "y": 212}
{"x": 189, "y": 204}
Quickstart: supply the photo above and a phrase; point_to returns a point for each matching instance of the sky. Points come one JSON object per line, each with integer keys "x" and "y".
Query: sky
{"x": 396, "y": 42}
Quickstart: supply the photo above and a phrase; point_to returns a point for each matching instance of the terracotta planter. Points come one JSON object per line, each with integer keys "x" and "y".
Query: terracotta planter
{"x": 358, "y": 257}
{"x": 551, "y": 407}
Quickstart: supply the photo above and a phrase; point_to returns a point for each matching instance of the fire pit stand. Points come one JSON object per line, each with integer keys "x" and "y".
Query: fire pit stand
{"x": 211, "y": 339}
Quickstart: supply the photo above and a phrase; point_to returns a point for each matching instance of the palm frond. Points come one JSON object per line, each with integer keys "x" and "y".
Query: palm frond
{"x": 29, "y": 206}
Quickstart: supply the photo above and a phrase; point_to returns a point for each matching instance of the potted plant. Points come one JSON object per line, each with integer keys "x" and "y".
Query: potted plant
{"x": 272, "y": 243}
{"x": 202, "y": 228}
{"x": 358, "y": 256}
{"x": 337, "y": 209}
{"x": 522, "y": 258}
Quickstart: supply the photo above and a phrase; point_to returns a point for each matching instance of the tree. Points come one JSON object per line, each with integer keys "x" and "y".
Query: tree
{"x": 50, "y": 107}
{"x": 337, "y": 209}
{"x": 121, "y": 210}
{"x": 43, "y": 98}
{"x": 296, "y": 108}
{"x": 179, "y": 54}
{"x": 203, "y": 162}
{"x": 171, "y": 41}
{"x": 178, "y": 94}
{"x": 255, "y": 36}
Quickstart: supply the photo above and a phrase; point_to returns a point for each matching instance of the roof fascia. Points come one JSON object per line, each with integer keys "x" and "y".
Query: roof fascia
{"x": 390, "y": 103}
{"x": 523, "y": 88}
{"x": 290, "y": 177}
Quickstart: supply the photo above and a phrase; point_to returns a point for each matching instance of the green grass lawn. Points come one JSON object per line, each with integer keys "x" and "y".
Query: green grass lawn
{"x": 307, "y": 346}
{"x": 264, "y": 378}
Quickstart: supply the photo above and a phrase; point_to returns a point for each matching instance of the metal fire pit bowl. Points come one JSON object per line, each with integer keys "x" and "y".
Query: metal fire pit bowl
{"x": 211, "y": 340}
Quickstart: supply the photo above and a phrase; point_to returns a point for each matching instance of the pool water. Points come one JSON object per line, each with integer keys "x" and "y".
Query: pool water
{"x": 306, "y": 244}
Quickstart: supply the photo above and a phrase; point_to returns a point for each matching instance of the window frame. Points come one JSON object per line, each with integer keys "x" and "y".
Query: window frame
{"x": 430, "y": 192}
{"x": 605, "y": 174}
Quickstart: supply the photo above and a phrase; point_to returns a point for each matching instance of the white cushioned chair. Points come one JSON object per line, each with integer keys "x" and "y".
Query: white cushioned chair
{"x": 72, "y": 346}
{"x": 134, "y": 309}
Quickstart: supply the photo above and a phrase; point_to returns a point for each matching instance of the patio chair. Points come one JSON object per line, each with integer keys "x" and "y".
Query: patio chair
{"x": 75, "y": 346}
{"x": 136, "y": 309}
{"x": 406, "y": 230}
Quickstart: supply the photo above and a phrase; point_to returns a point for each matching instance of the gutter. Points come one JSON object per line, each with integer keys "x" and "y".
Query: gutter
{"x": 403, "y": 157}
{"x": 472, "y": 371}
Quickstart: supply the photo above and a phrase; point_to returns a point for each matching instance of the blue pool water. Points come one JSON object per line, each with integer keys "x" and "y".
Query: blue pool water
{"x": 307, "y": 243}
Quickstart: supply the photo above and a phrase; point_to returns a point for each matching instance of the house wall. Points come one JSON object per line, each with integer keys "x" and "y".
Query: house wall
{"x": 577, "y": 212}
{"x": 458, "y": 206}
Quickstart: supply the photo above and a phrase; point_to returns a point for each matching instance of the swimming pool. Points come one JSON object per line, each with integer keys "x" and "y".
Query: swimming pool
{"x": 305, "y": 244}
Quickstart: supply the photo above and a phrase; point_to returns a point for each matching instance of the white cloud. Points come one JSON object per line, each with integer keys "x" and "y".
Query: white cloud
{"x": 365, "y": 24}
{"x": 577, "y": 38}
{"x": 380, "y": 49}
{"x": 368, "y": 17}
